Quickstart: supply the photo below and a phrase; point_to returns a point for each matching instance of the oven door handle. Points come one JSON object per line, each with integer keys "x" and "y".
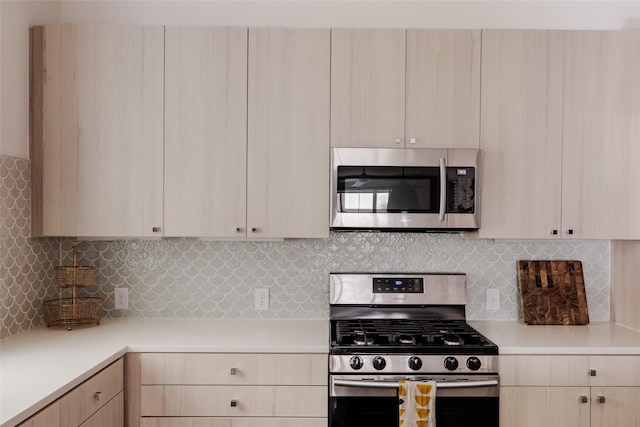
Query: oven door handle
{"x": 394, "y": 384}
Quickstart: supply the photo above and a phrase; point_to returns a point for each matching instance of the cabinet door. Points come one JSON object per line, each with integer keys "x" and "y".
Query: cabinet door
{"x": 544, "y": 406}
{"x": 615, "y": 406}
{"x": 443, "y": 89}
{"x": 205, "y": 131}
{"x": 602, "y": 134}
{"x": 288, "y": 133}
{"x": 110, "y": 415}
{"x": 521, "y": 133}
{"x": 367, "y": 87}
{"x": 111, "y": 90}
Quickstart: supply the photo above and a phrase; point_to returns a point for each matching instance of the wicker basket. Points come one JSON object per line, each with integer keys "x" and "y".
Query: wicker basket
{"x": 74, "y": 277}
{"x": 71, "y": 312}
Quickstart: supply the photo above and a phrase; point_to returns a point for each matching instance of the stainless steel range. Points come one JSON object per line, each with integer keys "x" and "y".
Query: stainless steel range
{"x": 387, "y": 328}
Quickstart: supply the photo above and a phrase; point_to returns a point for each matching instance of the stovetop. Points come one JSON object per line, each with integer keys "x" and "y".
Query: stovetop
{"x": 408, "y": 336}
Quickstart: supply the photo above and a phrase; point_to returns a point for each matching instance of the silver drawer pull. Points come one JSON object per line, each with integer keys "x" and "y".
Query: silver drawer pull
{"x": 234, "y": 403}
{"x": 601, "y": 399}
{"x": 234, "y": 371}
{"x": 97, "y": 395}
{"x": 592, "y": 372}
{"x": 583, "y": 399}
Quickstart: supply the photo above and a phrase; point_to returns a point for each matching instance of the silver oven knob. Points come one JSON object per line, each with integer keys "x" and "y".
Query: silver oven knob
{"x": 415, "y": 363}
{"x": 451, "y": 363}
{"x": 356, "y": 362}
{"x": 379, "y": 363}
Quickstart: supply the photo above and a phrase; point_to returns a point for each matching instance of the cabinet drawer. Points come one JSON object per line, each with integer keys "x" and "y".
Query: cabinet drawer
{"x": 110, "y": 415}
{"x": 83, "y": 401}
{"x": 48, "y": 417}
{"x": 253, "y": 401}
{"x": 544, "y": 370}
{"x": 233, "y": 422}
{"x": 234, "y": 369}
{"x": 615, "y": 371}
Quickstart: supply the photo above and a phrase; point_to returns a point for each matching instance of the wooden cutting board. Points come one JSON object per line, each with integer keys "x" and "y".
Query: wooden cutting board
{"x": 552, "y": 293}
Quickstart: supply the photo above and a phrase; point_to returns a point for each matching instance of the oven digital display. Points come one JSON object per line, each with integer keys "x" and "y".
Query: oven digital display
{"x": 386, "y": 285}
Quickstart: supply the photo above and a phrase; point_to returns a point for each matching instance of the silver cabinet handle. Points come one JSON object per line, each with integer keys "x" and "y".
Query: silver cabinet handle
{"x": 254, "y": 230}
{"x": 600, "y": 399}
{"x": 155, "y": 229}
{"x": 443, "y": 187}
{"x": 234, "y": 403}
{"x": 570, "y": 231}
{"x": 97, "y": 395}
{"x": 397, "y": 140}
{"x": 412, "y": 141}
{"x": 554, "y": 232}
{"x": 237, "y": 230}
{"x": 584, "y": 399}
{"x": 234, "y": 371}
{"x": 592, "y": 372}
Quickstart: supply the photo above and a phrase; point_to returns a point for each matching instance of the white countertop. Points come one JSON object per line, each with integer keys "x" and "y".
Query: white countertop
{"x": 595, "y": 338}
{"x": 40, "y": 365}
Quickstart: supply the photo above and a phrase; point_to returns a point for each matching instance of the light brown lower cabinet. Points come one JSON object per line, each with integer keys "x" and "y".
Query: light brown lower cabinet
{"x": 97, "y": 402}
{"x": 569, "y": 391}
{"x": 233, "y": 390}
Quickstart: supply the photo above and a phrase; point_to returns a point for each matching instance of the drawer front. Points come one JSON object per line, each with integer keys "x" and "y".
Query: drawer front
{"x": 250, "y": 401}
{"x": 544, "y": 370}
{"x": 48, "y": 417}
{"x": 615, "y": 371}
{"x": 110, "y": 415}
{"x": 83, "y": 401}
{"x": 233, "y": 422}
{"x": 234, "y": 369}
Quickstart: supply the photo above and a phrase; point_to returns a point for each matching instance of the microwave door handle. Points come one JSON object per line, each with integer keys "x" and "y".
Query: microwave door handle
{"x": 394, "y": 384}
{"x": 443, "y": 188}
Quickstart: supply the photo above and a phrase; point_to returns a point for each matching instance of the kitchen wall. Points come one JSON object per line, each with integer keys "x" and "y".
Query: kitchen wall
{"x": 190, "y": 278}
{"x": 26, "y": 265}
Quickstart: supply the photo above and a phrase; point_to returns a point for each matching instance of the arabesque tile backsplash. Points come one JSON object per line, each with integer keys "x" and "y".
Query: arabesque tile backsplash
{"x": 192, "y": 278}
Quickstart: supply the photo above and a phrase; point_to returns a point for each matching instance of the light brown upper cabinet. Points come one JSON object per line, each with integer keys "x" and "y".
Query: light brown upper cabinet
{"x": 97, "y": 130}
{"x": 247, "y": 135}
{"x": 288, "y": 132}
{"x": 205, "y": 131}
{"x": 521, "y": 136}
{"x": 560, "y": 134}
{"x": 405, "y": 88}
{"x": 601, "y": 134}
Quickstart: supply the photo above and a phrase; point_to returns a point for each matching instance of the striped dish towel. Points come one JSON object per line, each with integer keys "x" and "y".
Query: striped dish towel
{"x": 417, "y": 403}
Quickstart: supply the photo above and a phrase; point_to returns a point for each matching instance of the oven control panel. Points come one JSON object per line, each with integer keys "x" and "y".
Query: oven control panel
{"x": 389, "y": 363}
{"x": 387, "y": 285}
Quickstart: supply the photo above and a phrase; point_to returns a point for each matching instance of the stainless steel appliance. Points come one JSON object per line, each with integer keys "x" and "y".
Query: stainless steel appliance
{"x": 404, "y": 189}
{"x": 391, "y": 327}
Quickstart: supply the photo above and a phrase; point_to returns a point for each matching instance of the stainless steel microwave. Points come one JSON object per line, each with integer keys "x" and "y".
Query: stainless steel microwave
{"x": 413, "y": 189}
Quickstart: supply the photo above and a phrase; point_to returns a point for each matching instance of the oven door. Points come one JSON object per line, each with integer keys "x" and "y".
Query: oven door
{"x": 460, "y": 401}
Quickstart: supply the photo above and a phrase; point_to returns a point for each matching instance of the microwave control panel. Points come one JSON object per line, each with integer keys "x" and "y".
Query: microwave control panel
{"x": 461, "y": 189}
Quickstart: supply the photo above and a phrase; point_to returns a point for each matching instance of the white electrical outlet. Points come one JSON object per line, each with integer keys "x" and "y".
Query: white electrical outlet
{"x": 122, "y": 298}
{"x": 493, "y": 299}
{"x": 262, "y": 299}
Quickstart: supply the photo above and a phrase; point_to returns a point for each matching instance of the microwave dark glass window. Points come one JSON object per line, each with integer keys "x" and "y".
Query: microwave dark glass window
{"x": 388, "y": 189}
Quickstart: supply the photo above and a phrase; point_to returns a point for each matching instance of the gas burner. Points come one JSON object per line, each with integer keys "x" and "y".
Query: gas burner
{"x": 363, "y": 340}
{"x": 449, "y": 339}
{"x": 406, "y": 340}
